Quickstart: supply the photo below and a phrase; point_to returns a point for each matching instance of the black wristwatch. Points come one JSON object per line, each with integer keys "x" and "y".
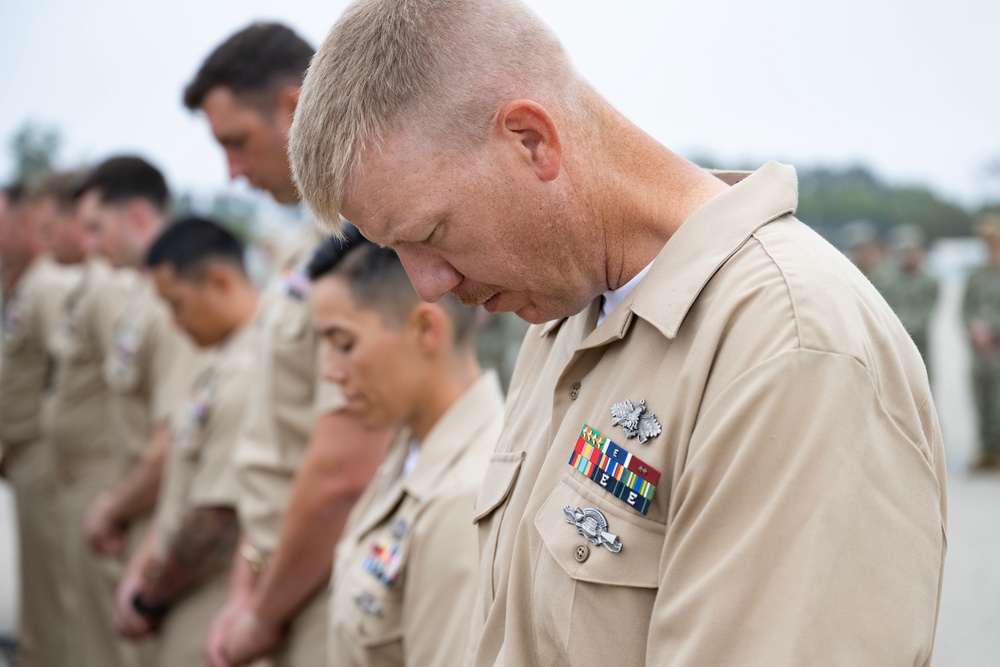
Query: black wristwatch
{"x": 154, "y": 613}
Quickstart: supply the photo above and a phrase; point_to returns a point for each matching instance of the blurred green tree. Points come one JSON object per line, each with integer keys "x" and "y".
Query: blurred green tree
{"x": 34, "y": 149}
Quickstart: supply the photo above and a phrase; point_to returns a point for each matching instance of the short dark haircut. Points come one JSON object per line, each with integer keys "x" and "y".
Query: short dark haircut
{"x": 332, "y": 250}
{"x": 379, "y": 282}
{"x": 60, "y": 186}
{"x": 191, "y": 244}
{"x": 126, "y": 177}
{"x": 16, "y": 193}
{"x": 257, "y": 59}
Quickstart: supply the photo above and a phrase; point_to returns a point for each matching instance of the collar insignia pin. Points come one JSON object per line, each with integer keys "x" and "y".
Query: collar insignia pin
{"x": 593, "y": 525}
{"x": 635, "y": 420}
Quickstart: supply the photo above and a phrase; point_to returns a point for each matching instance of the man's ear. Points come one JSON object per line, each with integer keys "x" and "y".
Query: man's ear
{"x": 287, "y": 101}
{"x": 139, "y": 214}
{"x": 531, "y": 132}
{"x": 428, "y": 324}
{"x": 219, "y": 277}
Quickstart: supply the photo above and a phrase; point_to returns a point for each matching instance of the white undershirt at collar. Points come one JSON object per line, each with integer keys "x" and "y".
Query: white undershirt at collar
{"x": 411, "y": 459}
{"x": 613, "y": 297}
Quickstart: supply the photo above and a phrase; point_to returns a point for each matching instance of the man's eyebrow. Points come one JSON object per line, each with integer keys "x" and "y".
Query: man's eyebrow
{"x": 328, "y": 331}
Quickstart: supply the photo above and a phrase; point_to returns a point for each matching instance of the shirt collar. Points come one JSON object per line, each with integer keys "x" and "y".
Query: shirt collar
{"x": 699, "y": 247}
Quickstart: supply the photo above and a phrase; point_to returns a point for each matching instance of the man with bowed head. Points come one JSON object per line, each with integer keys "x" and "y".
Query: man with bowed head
{"x": 676, "y": 483}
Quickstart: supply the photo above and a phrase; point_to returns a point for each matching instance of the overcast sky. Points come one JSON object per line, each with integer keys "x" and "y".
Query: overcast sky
{"x": 907, "y": 87}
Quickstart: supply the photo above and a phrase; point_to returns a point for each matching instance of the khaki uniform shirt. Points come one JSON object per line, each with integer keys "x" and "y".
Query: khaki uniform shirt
{"x": 149, "y": 368}
{"x": 30, "y": 316}
{"x": 205, "y": 431}
{"x": 77, "y": 424}
{"x": 787, "y": 505}
{"x": 405, "y": 573}
{"x": 284, "y": 402}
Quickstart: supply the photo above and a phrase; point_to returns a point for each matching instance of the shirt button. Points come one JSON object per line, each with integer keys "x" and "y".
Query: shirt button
{"x": 582, "y": 553}
{"x": 574, "y": 391}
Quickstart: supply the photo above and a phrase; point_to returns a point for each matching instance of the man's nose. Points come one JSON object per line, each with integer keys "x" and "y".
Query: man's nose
{"x": 431, "y": 275}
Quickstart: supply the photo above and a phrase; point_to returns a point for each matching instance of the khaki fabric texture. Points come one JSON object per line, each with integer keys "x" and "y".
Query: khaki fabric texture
{"x": 77, "y": 424}
{"x": 286, "y": 399}
{"x": 30, "y": 315}
{"x": 90, "y": 634}
{"x": 148, "y": 369}
{"x": 205, "y": 430}
{"x": 419, "y": 616}
{"x": 305, "y": 641}
{"x": 799, "y": 518}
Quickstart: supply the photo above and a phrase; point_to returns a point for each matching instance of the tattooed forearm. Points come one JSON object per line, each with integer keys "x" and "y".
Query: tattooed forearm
{"x": 204, "y": 543}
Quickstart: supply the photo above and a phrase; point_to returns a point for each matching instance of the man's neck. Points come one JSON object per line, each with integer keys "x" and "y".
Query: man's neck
{"x": 443, "y": 391}
{"x": 644, "y": 193}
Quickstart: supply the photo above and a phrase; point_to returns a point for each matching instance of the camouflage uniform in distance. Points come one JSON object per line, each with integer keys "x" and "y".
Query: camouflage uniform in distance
{"x": 912, "y": 296}
{"x": 982, "y": 302}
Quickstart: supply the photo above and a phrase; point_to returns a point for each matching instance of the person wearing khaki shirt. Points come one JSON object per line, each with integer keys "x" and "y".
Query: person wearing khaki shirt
{"x": 720, "y": 445}
{"x": 177, "y": 580}
{"x": 404, "y": 578}
{"x": 34, "y": 292}
{"x": 301, "y": 463}
{"x": 149, "y": 365}
{"x": 77, "y": 427}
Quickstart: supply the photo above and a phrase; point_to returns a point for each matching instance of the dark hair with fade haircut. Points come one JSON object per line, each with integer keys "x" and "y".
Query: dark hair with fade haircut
{"x": 125, "y": 177}
{"x": 60, "y": 186}
{"x": 332, "y": 250}
{"x": 256, "y": 59}
{"x": 191, "y": 244}
{"x": 379, "y": 282}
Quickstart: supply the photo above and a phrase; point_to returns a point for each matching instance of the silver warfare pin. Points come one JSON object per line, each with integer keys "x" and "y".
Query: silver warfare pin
{"x": 635, "y": 420}
{"x": 591, "y": 524}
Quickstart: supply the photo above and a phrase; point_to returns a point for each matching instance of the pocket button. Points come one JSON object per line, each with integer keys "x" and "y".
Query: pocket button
{"x": 582, "y": 553}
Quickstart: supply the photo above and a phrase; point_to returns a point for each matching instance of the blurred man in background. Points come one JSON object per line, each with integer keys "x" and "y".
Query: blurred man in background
{"x": 34, "y": 295}
{"x": 177, "y": 580}
{"x": 78, "y": 425}
{"x": 909, "y": 289}
{"x": 981, "y": 314}
{"x": 860, "y": 239}
{"x": 301, "y": 463}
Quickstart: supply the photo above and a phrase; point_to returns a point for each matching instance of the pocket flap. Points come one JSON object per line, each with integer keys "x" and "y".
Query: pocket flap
{"x": 499, "y": 480}
{"x": 638, "y": 562}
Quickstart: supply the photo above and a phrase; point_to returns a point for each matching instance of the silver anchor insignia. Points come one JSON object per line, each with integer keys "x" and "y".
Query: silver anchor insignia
{"x": 635, "y": 420}
{"x": 591, "y": 524}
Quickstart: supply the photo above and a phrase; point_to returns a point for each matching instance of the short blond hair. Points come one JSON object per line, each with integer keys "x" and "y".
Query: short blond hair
{"x": 450, "y": 63}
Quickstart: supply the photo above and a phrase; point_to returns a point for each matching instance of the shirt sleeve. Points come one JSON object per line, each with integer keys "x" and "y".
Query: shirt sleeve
{"x": 441, "y": 584}
{"x": 808, "y": 527}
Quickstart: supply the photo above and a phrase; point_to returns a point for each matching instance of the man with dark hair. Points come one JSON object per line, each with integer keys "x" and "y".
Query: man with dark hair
{"x": 148, "y": 368}
{"x": 406, "y": 568}
{"x": 177, "y": 579}
{"x": 301, "y": 463}
{"x": 34, "y": 293}
{"x": 248, "y": 88}
{"x": 79, "y": 427}
{"x": 54, "y": 199}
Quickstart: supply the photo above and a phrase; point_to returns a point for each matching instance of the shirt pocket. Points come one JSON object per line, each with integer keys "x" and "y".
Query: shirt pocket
{"x": 373, "y": 612}
{"x": 576, "y": 580}
{"x": 501, "y": 474}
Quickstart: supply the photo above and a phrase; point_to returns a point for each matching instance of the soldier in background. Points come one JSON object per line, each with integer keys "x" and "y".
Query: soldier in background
{"x": 301, "y": 464}
{"x": 34, "y": 292}
{"x": 860, "y": 239}
{"x": 981, "y": 314}
{"x": 177, "y": 580}
{"x": 148, "y": 370}
{"x": 909, "y": 289}
{"x": 78, "y": 427}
